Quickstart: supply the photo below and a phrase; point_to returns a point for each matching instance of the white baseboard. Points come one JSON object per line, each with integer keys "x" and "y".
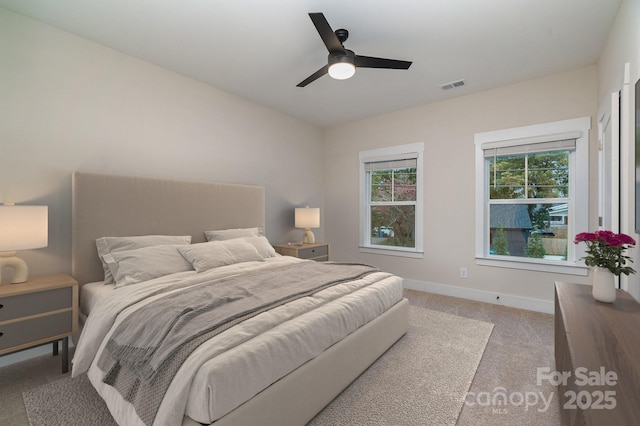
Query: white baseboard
{"x": 530, "y": 304}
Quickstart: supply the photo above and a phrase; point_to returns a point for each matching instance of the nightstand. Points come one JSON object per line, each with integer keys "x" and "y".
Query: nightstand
{"x": 41, "y": 310}
{"x": 317, "y": 251}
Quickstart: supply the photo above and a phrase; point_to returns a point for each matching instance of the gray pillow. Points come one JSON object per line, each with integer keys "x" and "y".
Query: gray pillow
{"x": 146, "y": 263}
{"x": 108, "y": 245}
{"x": 263, "y": 246}
{"x": 205, "y": 256}
{"x": 229, "y": 234}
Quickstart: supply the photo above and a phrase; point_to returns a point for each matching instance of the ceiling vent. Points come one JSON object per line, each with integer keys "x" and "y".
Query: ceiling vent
{"x": 453, "y": 85}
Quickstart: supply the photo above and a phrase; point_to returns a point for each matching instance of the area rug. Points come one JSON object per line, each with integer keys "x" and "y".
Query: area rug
{"x": 422, "y": 380}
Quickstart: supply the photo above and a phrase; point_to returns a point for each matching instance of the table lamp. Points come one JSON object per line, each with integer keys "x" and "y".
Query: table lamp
{"x": 307, "y": 218}
{"x": 21, "y": 228}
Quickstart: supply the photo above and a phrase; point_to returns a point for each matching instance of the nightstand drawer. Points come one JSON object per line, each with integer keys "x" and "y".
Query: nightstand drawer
{"x": 32, "y": 330}
{"x": 35, "y": 303}
{"x": 316, "y": 251}
{"x": 313, "y": 252}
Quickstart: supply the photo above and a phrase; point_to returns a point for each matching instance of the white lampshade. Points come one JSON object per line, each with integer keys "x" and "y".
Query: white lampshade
{"x": 308, "y": 218}
{"x": 21, "y": 228}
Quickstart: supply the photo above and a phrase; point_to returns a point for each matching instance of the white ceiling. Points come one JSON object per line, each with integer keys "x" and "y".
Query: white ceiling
{"x": 261, "y": 49}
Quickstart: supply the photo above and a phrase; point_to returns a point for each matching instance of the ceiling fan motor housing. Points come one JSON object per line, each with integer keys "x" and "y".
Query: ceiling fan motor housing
{"x": 345, "y": 55}
{"x": 342, "y": 34}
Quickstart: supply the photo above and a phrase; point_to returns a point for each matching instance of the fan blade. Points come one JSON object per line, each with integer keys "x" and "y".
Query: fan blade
{"x": 369, "y": 62}
{"x": 313, "y": 77}
{"x": 326, "y": 33}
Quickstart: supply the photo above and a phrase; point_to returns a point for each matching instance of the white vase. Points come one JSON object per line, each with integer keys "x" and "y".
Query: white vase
{"x": 604, "y": 285}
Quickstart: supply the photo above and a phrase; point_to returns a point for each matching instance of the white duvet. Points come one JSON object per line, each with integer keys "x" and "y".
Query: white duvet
{"x": 235, "y": 365}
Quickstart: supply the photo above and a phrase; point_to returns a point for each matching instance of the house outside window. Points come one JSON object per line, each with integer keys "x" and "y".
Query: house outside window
{"x": 391, "y": 200}
{"x": 532, "y": 196}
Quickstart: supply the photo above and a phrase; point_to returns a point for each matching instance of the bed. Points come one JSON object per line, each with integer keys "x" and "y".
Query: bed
{"x": 109, "y": 205}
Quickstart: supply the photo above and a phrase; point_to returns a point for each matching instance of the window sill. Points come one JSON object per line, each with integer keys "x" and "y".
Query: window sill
{"x": 392, "y": 252}
{"x": 538, "y": 265}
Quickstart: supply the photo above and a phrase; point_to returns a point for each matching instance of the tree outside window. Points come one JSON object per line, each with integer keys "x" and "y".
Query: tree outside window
{"x": 393, "y": 197}
{"x": 524, "y": 189}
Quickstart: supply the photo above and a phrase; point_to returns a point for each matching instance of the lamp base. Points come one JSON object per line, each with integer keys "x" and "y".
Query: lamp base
{"x": 308, "y": 237}
{"x": 20, "y": 267}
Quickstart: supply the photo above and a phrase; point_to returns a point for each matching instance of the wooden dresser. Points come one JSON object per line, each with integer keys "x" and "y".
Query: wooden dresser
{"x": 593, "y": 339}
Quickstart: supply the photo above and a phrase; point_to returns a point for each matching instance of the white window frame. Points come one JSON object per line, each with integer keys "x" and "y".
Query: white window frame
{"x": 578, "y": 190}
{"x": 390, "y": 153}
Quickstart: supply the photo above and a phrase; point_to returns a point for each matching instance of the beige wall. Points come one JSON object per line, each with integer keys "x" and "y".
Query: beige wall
{"x": 623, "y": 47}
{"x": 68, "y": 104}
{"x": 447, "y": 129}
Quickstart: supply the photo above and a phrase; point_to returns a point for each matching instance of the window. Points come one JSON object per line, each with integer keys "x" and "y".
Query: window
{"x": 532, "y": 196}
{"x": 391, "y": 200}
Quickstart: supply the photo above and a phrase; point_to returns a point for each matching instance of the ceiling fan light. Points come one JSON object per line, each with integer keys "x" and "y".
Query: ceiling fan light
{"x": 342, "y": 70}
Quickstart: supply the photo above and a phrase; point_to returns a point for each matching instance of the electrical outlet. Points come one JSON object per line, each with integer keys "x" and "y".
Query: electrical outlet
{"x": 463, "y": 272}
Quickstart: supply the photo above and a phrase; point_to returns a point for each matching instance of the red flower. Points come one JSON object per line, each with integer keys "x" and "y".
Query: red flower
{"x": 604, "y": 235}
{"x": 606, "y": 249}
{"x": 585, "y": 236}
{"x": 627, "y": 239}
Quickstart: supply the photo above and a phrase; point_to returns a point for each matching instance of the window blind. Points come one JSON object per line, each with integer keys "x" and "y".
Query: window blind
{"x": 400, "y": 163}
{"x": 530, "y": 146}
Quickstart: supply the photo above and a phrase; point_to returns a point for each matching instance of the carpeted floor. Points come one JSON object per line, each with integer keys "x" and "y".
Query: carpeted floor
{"x": 66, "y": 402}
{"x": 520, "y": 342}
{"x": 422, "y": 379}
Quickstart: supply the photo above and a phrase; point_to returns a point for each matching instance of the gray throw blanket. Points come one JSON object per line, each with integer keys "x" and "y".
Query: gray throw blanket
{"x": 148, "y": 347}
{"x": 151, "y": 334}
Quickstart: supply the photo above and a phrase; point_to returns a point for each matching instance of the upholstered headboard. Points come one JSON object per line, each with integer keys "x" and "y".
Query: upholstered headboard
{"x": 109, "y": 205}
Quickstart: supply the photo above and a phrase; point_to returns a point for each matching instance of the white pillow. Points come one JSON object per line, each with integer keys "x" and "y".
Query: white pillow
{"x": 263, "y": 246}
{"x": 229, "y": 234}
{"x": 205, "y": 256}
{"x": 108, "y": 245}
{"x": 146, "y": 263}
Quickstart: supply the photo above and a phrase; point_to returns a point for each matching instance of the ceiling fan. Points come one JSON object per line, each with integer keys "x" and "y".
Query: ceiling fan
{"x": 342, "y": 62}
